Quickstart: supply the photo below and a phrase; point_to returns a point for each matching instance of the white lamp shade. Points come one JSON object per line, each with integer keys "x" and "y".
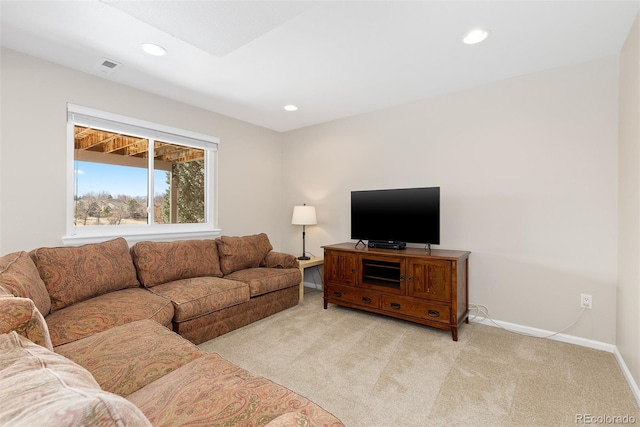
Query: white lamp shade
{"x": 304, "y": 215}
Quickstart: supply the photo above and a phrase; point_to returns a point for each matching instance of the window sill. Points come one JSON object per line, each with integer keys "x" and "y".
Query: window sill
{"x": 132, "y": 238}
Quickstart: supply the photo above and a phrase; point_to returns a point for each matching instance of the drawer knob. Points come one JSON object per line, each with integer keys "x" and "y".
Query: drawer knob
{"x": 366, "y": 299}
{"x": 433, "y": 313}
{"x": 395, "y": 305}
{"x": 337, "y": 294}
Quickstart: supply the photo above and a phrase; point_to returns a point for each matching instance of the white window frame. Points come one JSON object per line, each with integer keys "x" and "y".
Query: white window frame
{"x": 85, "y": 116}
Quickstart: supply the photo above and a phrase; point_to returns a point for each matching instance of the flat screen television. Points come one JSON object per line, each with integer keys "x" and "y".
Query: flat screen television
{"x": 396, "y": 216}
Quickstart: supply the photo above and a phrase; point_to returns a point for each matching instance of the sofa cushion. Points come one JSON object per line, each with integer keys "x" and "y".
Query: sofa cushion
{"x": 22, "y": 316}
{"x": 201, "y": 295}
{"x": 240, "y": 252}
{"x": 128, "y": 357}
{"x": 74, "y": 274}
{"x": 218, "y": 392}
{"x": 40, "y": 387}
{"x": 20, "y": 277}
{"x": 220, "y": 322}
{"x": 107, "y": 311}
{"x": 262, "y": 280}
{"x": 161, "y": 262}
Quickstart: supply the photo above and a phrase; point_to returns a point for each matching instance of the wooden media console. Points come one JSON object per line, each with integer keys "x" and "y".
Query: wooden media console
{"x": 430, "y": 288}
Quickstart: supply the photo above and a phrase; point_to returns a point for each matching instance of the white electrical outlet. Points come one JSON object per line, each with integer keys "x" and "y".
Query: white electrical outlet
{"x": 585, "y": 301}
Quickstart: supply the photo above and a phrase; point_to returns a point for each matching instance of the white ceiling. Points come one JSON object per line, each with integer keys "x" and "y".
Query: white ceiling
{"x": 248, "y": 59}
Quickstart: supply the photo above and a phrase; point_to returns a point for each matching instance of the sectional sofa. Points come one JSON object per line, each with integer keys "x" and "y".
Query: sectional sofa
{"x": 104, "y": 334}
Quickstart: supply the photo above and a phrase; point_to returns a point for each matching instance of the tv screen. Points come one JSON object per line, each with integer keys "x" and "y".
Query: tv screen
{"x": 399, "y": 215}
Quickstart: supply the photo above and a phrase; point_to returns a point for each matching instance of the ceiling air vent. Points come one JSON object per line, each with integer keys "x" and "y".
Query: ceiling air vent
{"x": 108, "y": 66}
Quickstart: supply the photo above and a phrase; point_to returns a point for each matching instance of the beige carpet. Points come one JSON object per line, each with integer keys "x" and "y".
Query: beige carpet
{"x": 369, "y": 371}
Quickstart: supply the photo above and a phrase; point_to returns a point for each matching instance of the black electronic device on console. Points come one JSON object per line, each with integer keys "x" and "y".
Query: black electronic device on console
{"x": 384, "y": 244}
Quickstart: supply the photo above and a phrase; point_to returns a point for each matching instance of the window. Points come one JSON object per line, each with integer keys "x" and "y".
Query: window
{"x": 137, "y": 179}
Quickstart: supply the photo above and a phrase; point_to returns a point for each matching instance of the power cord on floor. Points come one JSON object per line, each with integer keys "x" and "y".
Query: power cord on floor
{"x": 484, "y": 310}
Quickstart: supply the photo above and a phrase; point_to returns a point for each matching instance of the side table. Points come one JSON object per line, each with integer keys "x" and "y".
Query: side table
{"x": 306, "y": 264}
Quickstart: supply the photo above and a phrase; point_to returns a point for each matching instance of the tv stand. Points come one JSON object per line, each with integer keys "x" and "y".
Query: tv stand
{"x": 429, "y": 288}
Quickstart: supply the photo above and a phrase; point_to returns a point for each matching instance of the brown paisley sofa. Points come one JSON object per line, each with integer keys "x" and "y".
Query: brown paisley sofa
{"x": 91, "y": 335}
{"x": 199, "y": 288}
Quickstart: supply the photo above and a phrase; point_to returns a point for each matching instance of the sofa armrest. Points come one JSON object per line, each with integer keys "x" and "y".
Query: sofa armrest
{"x": 279, "y": 260}
{"x": 41, "y": 388}
{"x": 21, "y": 315}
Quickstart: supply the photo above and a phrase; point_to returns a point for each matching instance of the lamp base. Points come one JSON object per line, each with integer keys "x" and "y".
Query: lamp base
{"x": 303, "y": 258}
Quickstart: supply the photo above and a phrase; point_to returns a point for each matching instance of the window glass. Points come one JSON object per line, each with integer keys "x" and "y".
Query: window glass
{"x": 132, "y": 178}
{"x": 122, "y": 200}
{"x": 180, "y": 195}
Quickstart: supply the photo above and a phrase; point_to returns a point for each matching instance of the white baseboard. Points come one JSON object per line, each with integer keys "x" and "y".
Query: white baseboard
{"x": 584, "y": 342}
{"x": 627, "y": 374}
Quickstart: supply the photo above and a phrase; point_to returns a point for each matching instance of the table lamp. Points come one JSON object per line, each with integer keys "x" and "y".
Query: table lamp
{"x": 304, "y": 215}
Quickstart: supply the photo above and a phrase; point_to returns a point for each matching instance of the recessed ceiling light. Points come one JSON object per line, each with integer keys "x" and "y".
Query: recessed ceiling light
{"x": 475, "y": 36}
{"x": 153, "y": 49}
{"x": 290, "y": 107}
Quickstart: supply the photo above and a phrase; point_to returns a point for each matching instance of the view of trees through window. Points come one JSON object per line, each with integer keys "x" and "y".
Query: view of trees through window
{"x": 112, "y": 175}
{"x": 189, "y": 182}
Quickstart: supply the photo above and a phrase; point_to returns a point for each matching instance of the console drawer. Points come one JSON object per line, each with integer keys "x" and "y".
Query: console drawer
{"x": 409, "y": 307}
{"x": 353, "y": 295}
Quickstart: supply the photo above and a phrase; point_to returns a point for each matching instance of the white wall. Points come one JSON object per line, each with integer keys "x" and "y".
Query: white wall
{"x": 528, "y": 175}
{"x": 33, "y": 153}
{"x": 528, "y": 170}
{"x": 628, "y": 314}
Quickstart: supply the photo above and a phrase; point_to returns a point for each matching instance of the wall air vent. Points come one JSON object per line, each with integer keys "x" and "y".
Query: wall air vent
{"x": 108, "y": 66}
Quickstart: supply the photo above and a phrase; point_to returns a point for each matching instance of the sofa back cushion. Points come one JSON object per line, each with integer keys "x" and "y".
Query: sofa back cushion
{"x": 162, "y": 262}
{"x": 40, "y": 387}
{"x": 240, "y": 252}
{"x": 74, "y": 274}
{"x": 19, "y": 277}
{"x": 21, "y": 315}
